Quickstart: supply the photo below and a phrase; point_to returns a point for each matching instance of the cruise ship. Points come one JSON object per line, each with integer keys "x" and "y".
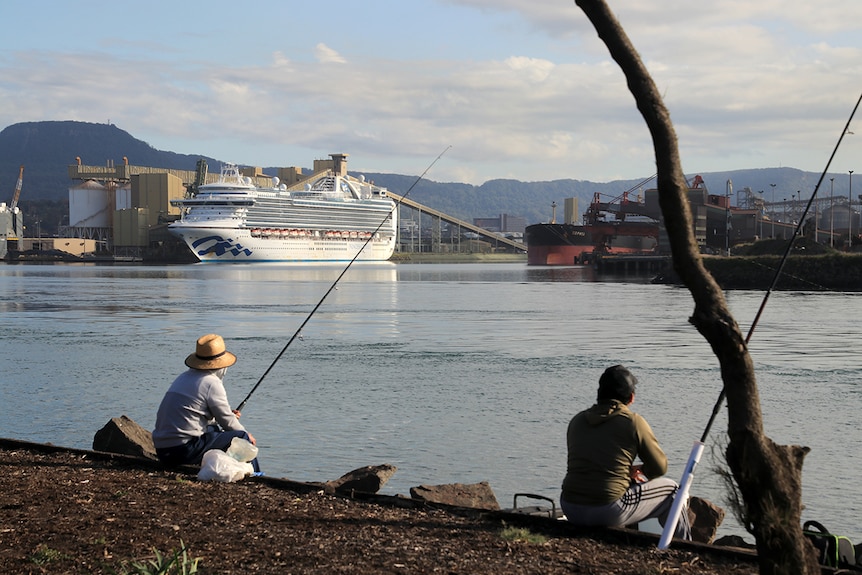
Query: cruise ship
{"x": 333, "y": 218}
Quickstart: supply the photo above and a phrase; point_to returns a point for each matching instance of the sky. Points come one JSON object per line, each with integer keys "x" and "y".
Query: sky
{"x": 518, "y": 89}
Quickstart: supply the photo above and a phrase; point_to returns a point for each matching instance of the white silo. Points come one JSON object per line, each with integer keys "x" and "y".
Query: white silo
{"x": 89, "y": 206}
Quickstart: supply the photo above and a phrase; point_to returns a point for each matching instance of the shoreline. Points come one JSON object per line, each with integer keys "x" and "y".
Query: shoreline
{"x": 91, "y": 512}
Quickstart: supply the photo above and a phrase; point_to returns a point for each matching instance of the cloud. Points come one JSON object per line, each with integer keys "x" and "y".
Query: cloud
{"x": 279, "y": 60}
{"x": 531, "y": 94}
{"x": 327, "y": 55}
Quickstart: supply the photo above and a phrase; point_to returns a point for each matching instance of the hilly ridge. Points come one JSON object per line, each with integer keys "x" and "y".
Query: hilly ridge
{"x": 47, "y": 148}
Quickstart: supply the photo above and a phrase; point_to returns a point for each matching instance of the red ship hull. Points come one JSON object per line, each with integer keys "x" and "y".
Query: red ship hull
{"x": 568, "y": 244}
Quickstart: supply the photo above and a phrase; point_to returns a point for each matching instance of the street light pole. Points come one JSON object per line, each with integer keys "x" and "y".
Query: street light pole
{"x": 815, "y": 219}
{"x": 727, "y": 224}
{"x": 831, "y": 212}
{"x": 799, "y": 198}
{"x": 793, "y": 219}
{"x": 772, "y": 213}
{"x": 850, "y": 214}
{"x": 762, "y": 209}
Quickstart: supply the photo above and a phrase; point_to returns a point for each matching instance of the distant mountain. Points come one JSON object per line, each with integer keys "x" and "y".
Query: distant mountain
{"x": 532, "y": 200}
{"x": 47, "y": 148}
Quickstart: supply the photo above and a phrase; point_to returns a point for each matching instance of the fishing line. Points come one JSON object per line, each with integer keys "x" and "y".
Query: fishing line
{"x": 335, "y": 283}
{"x": 798, "y": 279}
{"x": 688, "y": 475}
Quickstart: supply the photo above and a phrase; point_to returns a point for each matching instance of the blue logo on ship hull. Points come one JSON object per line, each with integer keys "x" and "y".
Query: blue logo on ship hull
{"x": 219, "y": 246}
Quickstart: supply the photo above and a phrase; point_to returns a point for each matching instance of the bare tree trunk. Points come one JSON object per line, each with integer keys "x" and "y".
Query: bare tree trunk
{"x": 769, "y": 476}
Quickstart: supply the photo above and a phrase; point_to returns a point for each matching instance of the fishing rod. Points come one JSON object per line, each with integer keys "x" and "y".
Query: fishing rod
{"x": 335, "y": 283}
{"x": 688, "y": 475}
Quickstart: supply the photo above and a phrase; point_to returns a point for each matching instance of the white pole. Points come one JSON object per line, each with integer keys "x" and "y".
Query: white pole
{"x": 681, "y": 496}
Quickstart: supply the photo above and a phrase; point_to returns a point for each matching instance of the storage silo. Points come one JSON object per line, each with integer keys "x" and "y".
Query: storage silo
{"x": 90, "y": 206}
{"x": 838, "y": 217}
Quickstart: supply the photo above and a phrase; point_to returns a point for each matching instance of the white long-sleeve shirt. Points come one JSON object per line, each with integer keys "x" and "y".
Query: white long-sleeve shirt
{"x": 193, "y": 400}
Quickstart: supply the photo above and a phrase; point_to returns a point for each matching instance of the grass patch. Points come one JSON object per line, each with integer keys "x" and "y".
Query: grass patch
{"x": 44, "y": 555}
{"x": 173, "y": 563}
{"x": 522, "y": 534}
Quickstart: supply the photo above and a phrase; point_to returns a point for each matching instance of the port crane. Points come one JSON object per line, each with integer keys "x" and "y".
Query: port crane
{"x": 15, "y": 196}
{"x": 17, "y": 193}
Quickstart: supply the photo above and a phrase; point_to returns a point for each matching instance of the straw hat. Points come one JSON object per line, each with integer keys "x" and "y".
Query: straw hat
{"x": 210, "y": 353}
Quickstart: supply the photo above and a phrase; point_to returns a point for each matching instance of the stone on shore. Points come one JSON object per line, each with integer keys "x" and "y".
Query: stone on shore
{"x": 734, "y": 541}
{"x": 706, "y": 517}
{"x": 122, "y": 435}
{"x": 475, "y": 495}
{"x": 367, "y": 479}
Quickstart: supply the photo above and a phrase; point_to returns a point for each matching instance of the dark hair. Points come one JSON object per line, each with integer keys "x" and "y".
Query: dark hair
{"x": 618, "y": 383}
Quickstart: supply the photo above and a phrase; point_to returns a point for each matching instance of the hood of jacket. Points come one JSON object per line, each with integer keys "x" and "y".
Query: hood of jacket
{"x": 606, "y": 410}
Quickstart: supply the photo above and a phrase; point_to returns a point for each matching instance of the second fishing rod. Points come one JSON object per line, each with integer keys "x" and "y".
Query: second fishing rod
{"x": 337, "y": 279}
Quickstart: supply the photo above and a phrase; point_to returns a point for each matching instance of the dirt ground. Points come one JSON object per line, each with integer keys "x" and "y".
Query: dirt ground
{"x": 70, "y": 511}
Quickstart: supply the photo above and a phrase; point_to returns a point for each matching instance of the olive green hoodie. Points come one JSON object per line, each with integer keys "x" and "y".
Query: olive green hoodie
{"x": 603, "y": 443}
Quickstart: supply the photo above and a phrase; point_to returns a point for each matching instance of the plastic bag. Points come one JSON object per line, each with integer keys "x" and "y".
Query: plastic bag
{"x": 242, "y": 449}
{"x": 216, "y": 465}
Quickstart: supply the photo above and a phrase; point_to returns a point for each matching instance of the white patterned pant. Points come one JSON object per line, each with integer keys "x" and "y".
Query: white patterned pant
{"x": 640, "y": 502}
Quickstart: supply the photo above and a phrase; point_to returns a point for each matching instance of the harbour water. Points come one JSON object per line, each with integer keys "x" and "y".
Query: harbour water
{"x": 453, "y": 373}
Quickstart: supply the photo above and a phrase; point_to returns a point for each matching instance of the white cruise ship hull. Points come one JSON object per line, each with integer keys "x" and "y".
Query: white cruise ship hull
{"x": 239, "y": 245}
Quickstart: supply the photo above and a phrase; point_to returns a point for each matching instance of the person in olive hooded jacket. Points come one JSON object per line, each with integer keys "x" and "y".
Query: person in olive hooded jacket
{"x": 603, "y": 484}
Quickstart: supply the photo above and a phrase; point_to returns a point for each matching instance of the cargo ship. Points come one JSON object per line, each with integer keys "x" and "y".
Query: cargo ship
{"x": 609, "y": 228}
{"x": 569, "y": 244}
{"x": 332, "y": 219}
{"x": 557, "y": 244}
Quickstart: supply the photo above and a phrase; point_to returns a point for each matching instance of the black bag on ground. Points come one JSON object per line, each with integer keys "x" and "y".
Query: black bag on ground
{"x": 832, "y": 550}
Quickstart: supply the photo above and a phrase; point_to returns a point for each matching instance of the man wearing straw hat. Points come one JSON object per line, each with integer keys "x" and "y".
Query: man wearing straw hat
{"x": 603, "y": 486}
{"x": 195, "y": 415}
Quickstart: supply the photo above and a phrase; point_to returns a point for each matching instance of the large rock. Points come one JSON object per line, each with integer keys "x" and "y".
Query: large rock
{"x": 476, "y": 495}
{"x": 124, "y": 436}
{"x": 705, "y": 519}
{"x": 367, "y": 479}
{"x": 734, "y": 541}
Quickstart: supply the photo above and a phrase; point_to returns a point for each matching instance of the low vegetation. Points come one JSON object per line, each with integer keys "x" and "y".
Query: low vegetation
{"x": 177, "y": 562}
